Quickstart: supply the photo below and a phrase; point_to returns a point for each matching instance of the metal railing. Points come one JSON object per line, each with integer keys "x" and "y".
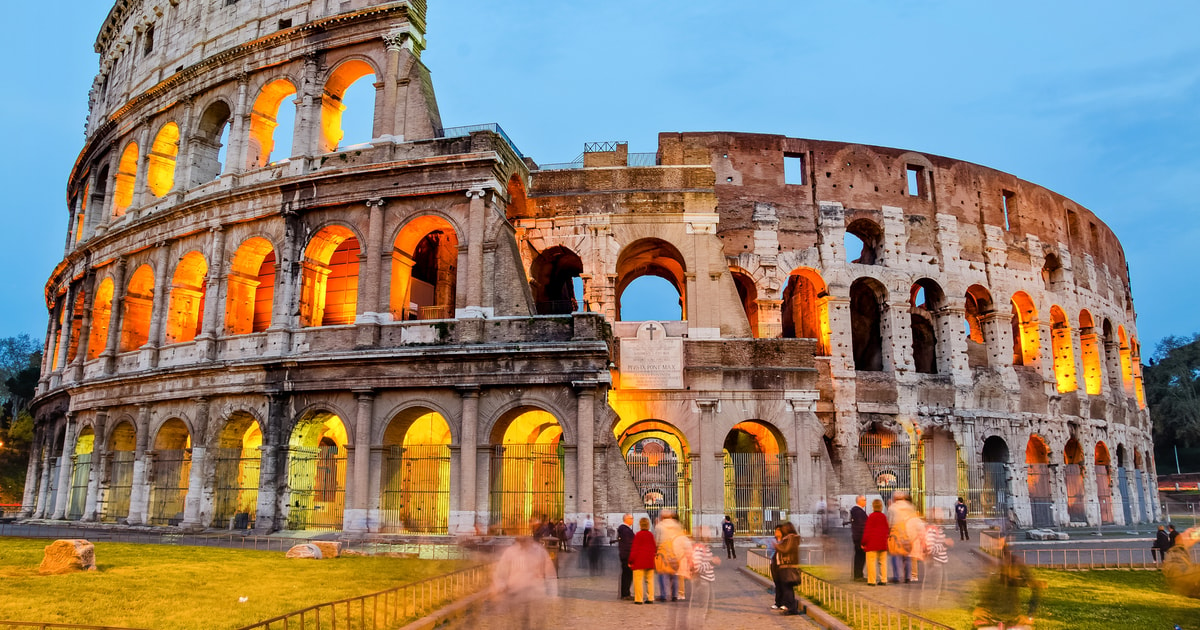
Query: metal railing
{"x": 1137, "y": 558}
{"x": 863, "y": 613}
{"x": 385, "y": 609}
{"x": 642, "y": 159}
{"x": 33, "y": 625}
{"x": 467, "y": 130}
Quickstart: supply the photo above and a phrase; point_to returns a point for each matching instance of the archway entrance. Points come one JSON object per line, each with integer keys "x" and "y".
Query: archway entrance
{"x": 416, "y": 473}
{"x": 526, "y": 472}
{"x": 171, "y": 464}
{"x": 1038, "y": 479}
{"x": 990, "y": 496}
{"x": 756, "y": 477}
{"x": 657, "y": 457}
{"x": 1073, "y": 475}
{"x": 122, "y": 443}
{"x": 1122, "y": 485}
{"x": 81, "y": 471}
{"x": 1104, "y": 483}
{"x": 317, "y": 472}
{"x": 893, "y": 464}
{"x": 237, "y": 461}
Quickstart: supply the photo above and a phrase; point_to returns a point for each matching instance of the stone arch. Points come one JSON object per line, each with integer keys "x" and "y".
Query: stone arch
{"x": 329, "y": 272}
{"x": 250, "y": 287}
{"x": 138, "y": 303}
{"x": 164, "y": 153}
{"x": 185, "y": 314}
{"x": 1063, "y": 350}
{"x": 1125, "y": 350}
{"x": 77, "y": 309}
{"x": 517, "y": 206}
{"x": 552, "y": 275}
{"x": 978, "y": 307}
{"x": 747, "y": 291}
{"x": 425, "y": 268}
{"x": 1103, "y": 468}
{"x": 1052, "y": 272}
{"x": 1026, "y": 338}
{"x": 995, "y": 494}
{"x": 926, "y": 300}
{"x": 657, "y": 456}
{"x": 756, "y": 475}
{"x": 236, "y": 461}
{"x": 317, "y": 456}
{"x": 526, "y": 469}
{"x": 1038, "y": 481}
{"x": 121, "y": 445}
{"x": 125, "y": 178}
{"x": 1092, "y": 353}
{"x": 415, "y": 484}
{"x": 264, "y": 118}
{"x": 652, "y": 257}
{"x": 212, "y": 130}
{"x": 866, "y": 236}
{"x": 805, "y": 309}
{"x": 344, "y": 74}
{"x": 171, "y": 467}
{"x": 1073, "y": 476}
{"x": 868, "y": 306}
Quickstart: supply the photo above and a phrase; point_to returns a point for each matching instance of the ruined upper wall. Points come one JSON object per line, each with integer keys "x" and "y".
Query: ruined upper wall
{"x": 144, "y": 43}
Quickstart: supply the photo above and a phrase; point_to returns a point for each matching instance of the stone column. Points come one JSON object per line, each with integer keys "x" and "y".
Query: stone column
{"x": 711, "y": 499}
{"x": 64, "y": 468}
{"x": 96, "y": 474}
{"x": 32, "y": 479}
{"x": 472, "y": 271}
{"x": 139, "y": 494}
{"x": 85, "y": 327}
{"x": 239, "y": 129}
{"x": 585, "y": 405}
{"x": 952, "y": 343}
{"x": 371, "y": 311}
{"x": 183, "y": 162}
{"x": 192, "y": 502}
{"x": 115, "y": 319}
{"x": 44, "y": 500}
{"x": 308, "y": 115}
{"x": 269, "y": 482}
{"x": 463, "y": 521}
{"x": 356, "y": 517}
{"x": 803, "y": 491}
{"x": 64, "y": 337}
{"x": 287, "y": 277}
{"x": 143, "y": 168}
{"x": 114, "y": 166}
{"x": 158, "y": 316}
{"x": 214, "y": 306}
{"x": 393, "y": 41}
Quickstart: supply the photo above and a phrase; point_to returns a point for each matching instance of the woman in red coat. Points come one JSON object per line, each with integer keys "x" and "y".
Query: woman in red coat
{"x": 875, "y": 543}
{"x": 641, "y": 560}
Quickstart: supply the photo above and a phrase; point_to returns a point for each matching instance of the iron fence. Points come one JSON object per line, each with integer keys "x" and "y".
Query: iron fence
{"x": 1104, "y": 493}
{"x": 416, "y": 489}
{"x": 235, "y": 487}
{"x": 169, "y": 473}
{"x": 80, "y": 473}
{"x": 385, "y": 609}
{"x": 756, "y": 491}
{"x": 120, "y": 486}
{"x": 862, "y": 613}
{"x": 1041, "y": 503}
{"x": 526, "y": 483}
{"x": 664, "y": 481}
{"x": 35, "y": 625}
{"x": 1076, "y": 506}
{"x": 1135, "y": 558}
{"x": 317, "y": 479}
{"x": 467, "y": 130}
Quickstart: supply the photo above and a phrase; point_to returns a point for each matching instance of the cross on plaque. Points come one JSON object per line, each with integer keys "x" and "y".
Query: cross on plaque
{"x": 651, "y": 328}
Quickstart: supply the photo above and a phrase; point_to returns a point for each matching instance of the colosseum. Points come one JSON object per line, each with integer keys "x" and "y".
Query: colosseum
{"x": 258, "y": 326}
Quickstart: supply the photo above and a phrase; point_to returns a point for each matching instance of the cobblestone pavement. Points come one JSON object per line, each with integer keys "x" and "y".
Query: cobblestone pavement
{"x": 584, "y": 601}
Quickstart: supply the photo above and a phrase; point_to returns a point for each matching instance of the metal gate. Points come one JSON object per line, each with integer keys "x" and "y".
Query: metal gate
{"x": 235, "y": 487}
{"x": 526, "y": 483}
{"x": 1076, "y": 502}
{"x": 1104, "y": 493}
{"x": 756, "y": 491}
{"x": 1041, "y": 501}
{"x": 169, "y": 472}
{"x": 80, "y": 473}
{"x": 52, "y": 489}
{"x": 664, "y": 480}
{"x": 1123, "y": 486}
{"x": 987, "y": 490}
{"x": 416, "y": 489}
{"x": 894, "y": 466}
{"x": 317, "y": 479}
{"x": 120, "y": 487}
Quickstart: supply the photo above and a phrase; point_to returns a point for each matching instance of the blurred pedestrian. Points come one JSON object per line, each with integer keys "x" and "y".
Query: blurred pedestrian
{"x": 703, "y": 569}
{"x": 1172, "y": 534}
{"x": 1183, "y": 575}
{"x": 624, "y": 546}
{"x": 1162, "y": 542}
{"x": 1001, "y": 598}
{"x": 960, "y": 519}
{"x": 858, "y": 520}
{"x": 788, "y": 552}
{"x": 937, "y": 556}
{"x": 727, "y": 531}
{"x": 641, "y": 561}
{"x": 901, "y": 543}
{"x": 773, "y": 554}
{"x": 524, "y": 577}
{"x": 875, "y": 544}
{"x": 588, "y": 526}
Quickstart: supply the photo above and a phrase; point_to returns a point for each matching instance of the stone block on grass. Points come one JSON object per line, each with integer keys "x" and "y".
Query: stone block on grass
{"x": 307, "y": 551}
{"x": 329, "y": 548}
{"x": 68, "y": 556}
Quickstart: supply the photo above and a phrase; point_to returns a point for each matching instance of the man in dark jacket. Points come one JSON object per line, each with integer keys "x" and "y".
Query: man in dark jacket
{"x": 727, "y": 531}
{"x": 960, "y": 519}
{"x": 858, "y": 520}
{"x": 624, "y": 545}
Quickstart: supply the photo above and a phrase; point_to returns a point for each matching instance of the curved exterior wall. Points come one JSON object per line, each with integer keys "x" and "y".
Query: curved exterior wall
{"x": 423, "y": 273}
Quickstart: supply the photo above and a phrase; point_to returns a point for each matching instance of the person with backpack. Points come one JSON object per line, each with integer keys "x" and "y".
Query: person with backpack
{"x": 900, "y": 542}
{"x": 727, "y": 531}
{"x": 674, "y": 550}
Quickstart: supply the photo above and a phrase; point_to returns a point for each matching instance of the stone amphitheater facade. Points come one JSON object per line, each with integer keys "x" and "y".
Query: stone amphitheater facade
{"x": 423, "y": 333}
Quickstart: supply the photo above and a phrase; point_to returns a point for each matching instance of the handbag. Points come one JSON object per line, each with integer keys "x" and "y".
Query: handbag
{"x": 895, "y": 547}
{"x": 789, "y": 574}
{"x": 662, "y": 566}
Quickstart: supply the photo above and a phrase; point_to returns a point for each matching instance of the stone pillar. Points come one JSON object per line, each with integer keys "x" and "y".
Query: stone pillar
{"x": 287, "y": 277}
{"x": 143, "y": 168}
{"x": 473, "y": 270}
{"x": 239, "y": 129}
{"x": 356, "y": 519}
{"x": 394, "y": 43}
{"x": 585, "y": 420}
{"x": 806, "y": 444}
{"x": 464, "y": 520}
{"x": 952, "y": 343}
{"x": 65, "y": 462}
{"x": 44, "y": 500}
{"x": 114, "y": 166}
{"x": 895, "y": 328}
{"x": 371, "y": 311}
{"x": 1091, "y": 495}
{"x": 183, "y": 162}
{"x": 269, "y": 482}
{"x": 192, "y": 517}
{"x": 711, "y": 463}
{"x": 214, "y": 305}
{"x": 570, "y": 475}
{"x": 139, "y": 495}
{"x": 115, "y": 318}
{"x": 96, "y": 474}
{"x": 32, "y": 479}
{"x": 64, "y": 337}
{"x": 85, "y": 327}
{"x": 158, "y": 316}
{"x": 308, "y": 115}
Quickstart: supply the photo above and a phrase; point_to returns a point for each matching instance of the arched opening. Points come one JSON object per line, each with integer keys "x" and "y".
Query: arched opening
{"x": 54, "y": 452}
{"x": 350, "y": 88}
{"x": 894, "y": 464}
{"x": 250, "y": 288}
{"x": 1090, "y": 349}
{"x": 1135, "y": 359}
{"x": 1026, "y": 340}
{"x": 517, "y": 207}
{"x": 656, "y": 454}
{"x": 81, "y": 470}
{"x": 265, "y": 124}
{"x": 805, "y": 310}
{"x": 943, "y": 474}
{"x": 185, "y": 315}
{"x": 1123, "y": 485}
{"x": 1073, "y": 476}
{"x": 1126, "y": 361}
{"x": 329, "y": 290}
{"x": 1063, "y": 349}
{"x": 864, "y": 242}
{"x": 99, "y": 191}
{"x": 76, "y": 324}
{"x": 1052, "y": 273}
{"x": 555, "y": 280}
{"x": 170, "y": 468}
{"x": 237, "y": 464}
{"x": 994, "y": 496}
{"x": 1139, "y": 477}
{"x": 925, "y": 300}
{"x": 1104, "y": 483}
{"x": 526, "y": 471}
{"x": 124, "y": 180}
{"x": 122, "y": 445}
{"x": 1038, "y": 479}
{"x": 868, "y": 299}
{"x": 164, "y": 151}
{"x": 748, "y": 297}
{"x": 208, "y": 143}
{"x": 416, "y": 473}
{"x": 317, "y": 472}
{"x": 139, "y": 303}
{"x": 756, "y": 477}
{"x": 648, "y": 299}
{"x": 425, "y": 270}
{"x": 979, "y": 306}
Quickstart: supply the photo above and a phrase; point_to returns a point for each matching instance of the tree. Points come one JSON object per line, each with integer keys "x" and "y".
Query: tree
{"x": 20, "y": 368}
{"x": 1172, "y": 381}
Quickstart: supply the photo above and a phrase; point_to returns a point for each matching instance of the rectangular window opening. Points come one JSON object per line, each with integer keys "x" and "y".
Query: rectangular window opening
{"x": 916, "y": 180}
{"x": 793, "y": 169}
{"x": 1010, "y": 207}
{"x": 285, "y": 24}
{"x": 148, "y": 41}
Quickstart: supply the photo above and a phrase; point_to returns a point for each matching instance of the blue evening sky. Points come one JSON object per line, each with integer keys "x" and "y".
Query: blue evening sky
{"x": 1097, "y": 100}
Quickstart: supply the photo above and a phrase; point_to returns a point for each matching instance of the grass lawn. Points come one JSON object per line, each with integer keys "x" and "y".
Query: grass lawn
{"x": 162, "y": 587}
{"x": 1100, "y": 600}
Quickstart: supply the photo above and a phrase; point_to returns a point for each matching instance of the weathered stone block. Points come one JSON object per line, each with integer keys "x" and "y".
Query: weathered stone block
{"x": 308, "y": 551}
{"x": 68, "y": 556}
